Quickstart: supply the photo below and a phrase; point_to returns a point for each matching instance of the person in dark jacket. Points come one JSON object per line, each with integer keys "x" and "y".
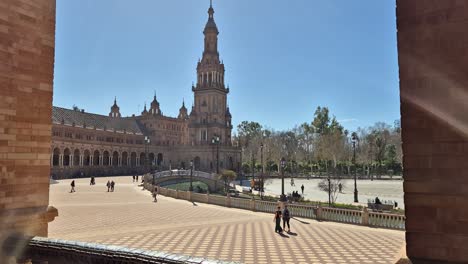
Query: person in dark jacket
{"x": 108, "y": 186}
{"x": 277, "y": 219}
{"x": 286, "y": 217}
{"x": 72, "y": 184}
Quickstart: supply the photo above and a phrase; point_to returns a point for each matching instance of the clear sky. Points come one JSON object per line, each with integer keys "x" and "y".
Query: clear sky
{"x": 282, "y": 58}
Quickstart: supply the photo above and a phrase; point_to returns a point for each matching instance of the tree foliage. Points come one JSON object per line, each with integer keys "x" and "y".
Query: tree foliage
{"x": 322, "y": 146}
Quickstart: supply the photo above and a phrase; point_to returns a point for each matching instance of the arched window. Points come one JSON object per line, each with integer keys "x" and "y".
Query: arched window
{"x": 76, "y": 157}
{"x": 56, "y": 157}
{"x": 86, "y": 158}
{"x": 66, "y": 157}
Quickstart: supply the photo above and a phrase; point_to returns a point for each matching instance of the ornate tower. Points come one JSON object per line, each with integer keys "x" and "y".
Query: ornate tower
{"x": 115, "y": 110}
{"x": 155, "y": 110}
{"x": 183, "y": 112}
{"x": 208, "y": 117}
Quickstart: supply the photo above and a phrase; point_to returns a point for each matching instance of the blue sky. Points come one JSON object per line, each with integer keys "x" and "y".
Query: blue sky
{"x": 282, "y": 58}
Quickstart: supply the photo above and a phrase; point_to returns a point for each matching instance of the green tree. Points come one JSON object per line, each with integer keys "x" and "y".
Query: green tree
{"x": 227, "y": 176}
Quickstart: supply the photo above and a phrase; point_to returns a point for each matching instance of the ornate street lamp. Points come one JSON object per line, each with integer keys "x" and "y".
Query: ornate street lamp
{"x": 147, "y": 142}
{"x": 215, "y": 140}
{"x": 191, "y": 174}
{"x": 354, "y": 139}
{"x": 262, "y": 181}
{"x": 283, "y": 165}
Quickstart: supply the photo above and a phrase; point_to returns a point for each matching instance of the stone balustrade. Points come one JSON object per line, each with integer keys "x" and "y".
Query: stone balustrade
{"x": 375, "y": 219}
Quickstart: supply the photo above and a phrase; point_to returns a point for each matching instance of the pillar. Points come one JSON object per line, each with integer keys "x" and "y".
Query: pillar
{"x": 432, "y": 48}
{"x": 91, "y": 160}
{"x": 27, "y": 44}
{"x": 61, "y": 160}
{"x": 70, "y": 160}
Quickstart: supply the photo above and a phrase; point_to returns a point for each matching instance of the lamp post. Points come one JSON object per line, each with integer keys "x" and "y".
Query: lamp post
{"x": 354, "y": 139}
{"x": 215, "y": 140}
{"x": 253, "y": 168}
{"x": 283, "y": 165}
{"x": 191, "y": 174}
{"x": 147, "y": 142}
{"x": 261, "y": 159}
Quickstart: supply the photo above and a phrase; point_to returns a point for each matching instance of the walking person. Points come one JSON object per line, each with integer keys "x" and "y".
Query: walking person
{"x": 133, "y": 176}
{"x": 108, "y": 186}
{"x": 340, "y": 187}
{"x": 286, "y": 217}
{"x": 277, "y": 220}
{"x": 112, "y": 184}
{"x": 302, "y": 188}
{"x": 72, "y": 184}
{"x": 137, "y": 178}
{"x": 155, "y": 194}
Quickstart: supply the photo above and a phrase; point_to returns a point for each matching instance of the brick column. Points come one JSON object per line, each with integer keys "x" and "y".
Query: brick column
{"x": 433, "y": 63}
{"x": 91, "y": 160}
{"x": 27, "y": 44}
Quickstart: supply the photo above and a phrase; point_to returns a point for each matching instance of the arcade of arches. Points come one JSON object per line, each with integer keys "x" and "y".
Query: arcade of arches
{"x": 67, "y": 160}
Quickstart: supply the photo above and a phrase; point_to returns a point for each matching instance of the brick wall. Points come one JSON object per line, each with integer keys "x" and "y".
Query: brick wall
{"x": 433, "y": 61}
{"x": 27, "y": 39}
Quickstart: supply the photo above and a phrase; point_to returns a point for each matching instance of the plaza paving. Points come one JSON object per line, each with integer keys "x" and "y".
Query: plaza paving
{"x": 128, "y": 217}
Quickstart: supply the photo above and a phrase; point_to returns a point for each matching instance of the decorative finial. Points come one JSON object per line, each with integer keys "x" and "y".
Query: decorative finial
{"x": 211, "y": 3}
{"x": 115, "y": 100}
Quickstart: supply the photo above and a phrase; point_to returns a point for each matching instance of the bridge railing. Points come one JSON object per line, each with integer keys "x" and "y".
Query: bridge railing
{"x": 186, "y": 173}
{"x": 366, "y": 218}
{"x": 48, "y": 250}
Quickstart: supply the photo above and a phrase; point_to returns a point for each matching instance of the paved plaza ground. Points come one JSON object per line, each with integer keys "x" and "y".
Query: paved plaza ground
{"x": 128, "y": 217}
{"x": 367, "y": 189}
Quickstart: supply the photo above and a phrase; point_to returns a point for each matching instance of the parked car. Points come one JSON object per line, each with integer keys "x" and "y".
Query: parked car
{"x": 233, "y": 192}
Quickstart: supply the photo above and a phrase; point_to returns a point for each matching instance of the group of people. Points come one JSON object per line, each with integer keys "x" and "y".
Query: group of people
{"x": 110, "y": 186}
{"x": 135, "y": 178}
{"x": 285, "y": 215}
{"x": 296, "y": 195}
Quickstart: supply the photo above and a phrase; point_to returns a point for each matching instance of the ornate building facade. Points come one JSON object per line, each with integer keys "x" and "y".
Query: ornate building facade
{"x": 86, "y": 144}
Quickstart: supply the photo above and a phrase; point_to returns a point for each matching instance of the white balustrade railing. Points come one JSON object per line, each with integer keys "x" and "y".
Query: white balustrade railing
{"x": 240, "y": 203}
{"x": 198, "y": 197}
{"x": 266, "y": 207}
{"x": 303, "y": 211}
{"x": 383, "y": 220}
{"x": 341, "y": 215}
{"x": 216, "y": 199}
{"x": 392, "y": 221}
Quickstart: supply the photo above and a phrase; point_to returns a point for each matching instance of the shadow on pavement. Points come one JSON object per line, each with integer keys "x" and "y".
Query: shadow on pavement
{"x": 283, "y": 235}
{"x": 292, "y": 233}
{"x": 302, "y": 222}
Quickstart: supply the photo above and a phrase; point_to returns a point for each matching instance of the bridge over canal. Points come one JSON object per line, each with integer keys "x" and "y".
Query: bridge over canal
{"x": 177, "y": 176}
